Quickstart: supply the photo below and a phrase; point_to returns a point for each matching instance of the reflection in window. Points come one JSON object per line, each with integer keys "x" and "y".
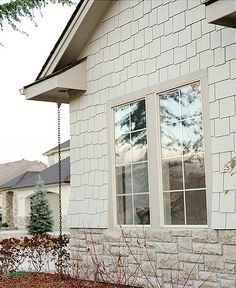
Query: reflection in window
{"x": 132, "y": 187}
{"x": 183, "y": 170}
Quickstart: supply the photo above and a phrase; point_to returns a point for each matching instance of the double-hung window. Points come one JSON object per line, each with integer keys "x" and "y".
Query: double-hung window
{"x": 182, "y": 156}
{"x": 181, "y": 189}
{"x": 131, "y": 164}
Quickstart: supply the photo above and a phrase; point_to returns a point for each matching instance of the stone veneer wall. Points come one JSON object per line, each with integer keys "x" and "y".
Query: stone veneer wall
{"x": 209, "y": 256}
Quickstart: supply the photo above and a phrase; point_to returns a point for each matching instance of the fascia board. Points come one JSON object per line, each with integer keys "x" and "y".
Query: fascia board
{"x": 67, "y": 38}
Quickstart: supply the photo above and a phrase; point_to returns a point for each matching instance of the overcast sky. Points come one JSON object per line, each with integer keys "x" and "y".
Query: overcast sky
{"x": 29, "y": 128}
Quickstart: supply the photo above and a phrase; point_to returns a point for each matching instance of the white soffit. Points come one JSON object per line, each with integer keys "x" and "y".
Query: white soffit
{"x": 56, "y": 87}
{"x": 222, "y": 12}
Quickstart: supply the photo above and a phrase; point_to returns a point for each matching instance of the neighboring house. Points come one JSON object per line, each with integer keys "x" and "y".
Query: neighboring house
{"x": 151, "y": 89}
{"x": 22, "y": 189}
{"x": 9, "y": 171}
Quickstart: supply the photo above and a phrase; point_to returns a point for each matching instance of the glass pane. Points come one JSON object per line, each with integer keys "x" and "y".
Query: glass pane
{"x": 138, "y": 115}
{"x": 139, "y": 145}
{"x": 123, "y": 150}
{"x": 169, "y": 106}
{"x": 140, "y": 177}
{"x": 141, "y": 210}
{"x": 123, "y": 180}
{"x": 196, "y": 207}
{"x": 194, "y": 171}
{"x": 122, "y": 120}
{"x": 192, "y": 135}
{"x": 171, "y": 140}
{"x": 190, "y": 101}
{"x": 124, "y": 210}
{"x": 174, "y": 208}
{"x": 172, "y": 174}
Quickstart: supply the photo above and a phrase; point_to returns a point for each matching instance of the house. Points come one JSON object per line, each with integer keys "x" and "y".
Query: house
{"x": 22, "y": 189}
{"x": 9, "y": 171}
{"x": 151, "y": 88}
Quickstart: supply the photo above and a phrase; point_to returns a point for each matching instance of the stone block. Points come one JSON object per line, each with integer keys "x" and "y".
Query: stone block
{"x": 160, "y": 235}
{"x": 184, "y": 244}
{"x": 205, "y": 236}
{"x": 191, "y": 258}
{"x": 230, "y": 268}
{"x": 208, "y": 248}
{"x": 227, "y": 283}
{"x": 227, "y": 237}
{"x": 214, "y": 263}
{"x": 167, "y": 261}
{"x": 196, "y": 30}
{"x": 163, "y": 247}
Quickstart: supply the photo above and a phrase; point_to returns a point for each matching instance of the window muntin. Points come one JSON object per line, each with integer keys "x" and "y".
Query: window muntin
{"x": 182, "y": 156}
{"x": 131, "y": 164}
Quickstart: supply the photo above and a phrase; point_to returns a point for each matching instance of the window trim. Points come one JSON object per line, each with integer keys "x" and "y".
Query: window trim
{"x": 150, "y": 95}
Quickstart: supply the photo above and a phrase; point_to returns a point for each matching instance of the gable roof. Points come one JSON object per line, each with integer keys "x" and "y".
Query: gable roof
{"x": 48, "y": 175}
{"x": 64, "y": 146}
{"x": 11, "y": 170}
{"x": 75, "y": 35}
{"x": 65, "y": 68}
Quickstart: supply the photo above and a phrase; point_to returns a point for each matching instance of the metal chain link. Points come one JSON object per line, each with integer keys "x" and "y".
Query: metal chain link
{"x": 59, "y": 185}
{"x": 59, "y": 166}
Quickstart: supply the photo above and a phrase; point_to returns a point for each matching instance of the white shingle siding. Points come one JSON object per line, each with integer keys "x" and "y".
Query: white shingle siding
{"x": 138, "y": 44}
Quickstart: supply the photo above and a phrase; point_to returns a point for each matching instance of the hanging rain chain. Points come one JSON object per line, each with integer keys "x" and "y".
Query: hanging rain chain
{"x": 59, "y": 185}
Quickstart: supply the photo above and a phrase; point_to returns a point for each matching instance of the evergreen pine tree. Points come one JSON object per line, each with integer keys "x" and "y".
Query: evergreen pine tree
{"x": 41, "y": 219}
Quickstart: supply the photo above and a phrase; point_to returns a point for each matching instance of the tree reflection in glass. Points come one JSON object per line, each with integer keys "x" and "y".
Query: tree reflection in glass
{"x": 182, "y": 154}
{"x": 131, "y": 163}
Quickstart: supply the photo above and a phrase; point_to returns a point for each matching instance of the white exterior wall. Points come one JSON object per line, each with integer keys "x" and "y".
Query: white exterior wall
{"x": 139, "y": 44}
{"x": 22, "y": 201}
{"x": 53, "y": 158}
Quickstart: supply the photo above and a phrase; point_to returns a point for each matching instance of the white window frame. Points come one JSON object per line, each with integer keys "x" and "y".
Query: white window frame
{"x": 151, "y": 95}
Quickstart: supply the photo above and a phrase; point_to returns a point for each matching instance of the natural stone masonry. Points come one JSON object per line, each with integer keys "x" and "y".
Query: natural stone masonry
{"x": 210, "y": 257}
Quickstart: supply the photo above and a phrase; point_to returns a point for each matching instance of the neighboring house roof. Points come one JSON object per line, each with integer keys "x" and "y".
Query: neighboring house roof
{"x": 48, "y": 175}
{"x": 11, "y": 170}
{"x": 65, "y": 145}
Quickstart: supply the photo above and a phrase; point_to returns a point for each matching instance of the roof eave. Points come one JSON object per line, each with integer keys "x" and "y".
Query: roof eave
{"x": 57, "y": 86}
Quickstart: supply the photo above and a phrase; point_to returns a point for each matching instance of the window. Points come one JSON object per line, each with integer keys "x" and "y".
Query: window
{"x": 158, "y": 156}
{"x": 131, "y": 162}
{"x": 182, "y": 156}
